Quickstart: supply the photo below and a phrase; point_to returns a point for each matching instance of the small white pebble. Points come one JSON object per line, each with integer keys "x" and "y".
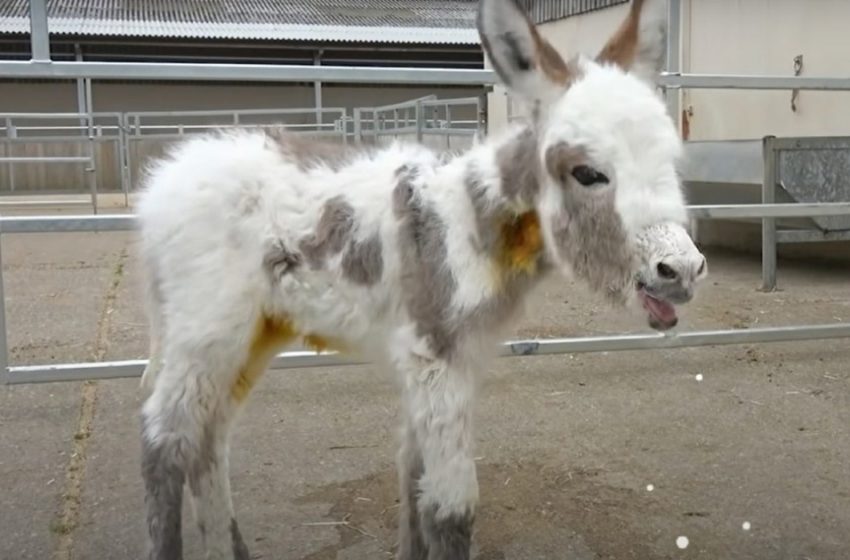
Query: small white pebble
{"x": 746, "y": 526}
{"x": 682, "y": 542}
{"x": 650, "y": 487}
{"x": 699, "y": 377}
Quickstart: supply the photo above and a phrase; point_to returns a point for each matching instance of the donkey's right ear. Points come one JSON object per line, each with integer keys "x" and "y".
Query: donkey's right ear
{"x": 525, "y": 62}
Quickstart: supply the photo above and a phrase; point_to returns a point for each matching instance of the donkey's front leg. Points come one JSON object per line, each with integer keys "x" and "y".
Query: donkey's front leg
{"x": 440, "y": 409}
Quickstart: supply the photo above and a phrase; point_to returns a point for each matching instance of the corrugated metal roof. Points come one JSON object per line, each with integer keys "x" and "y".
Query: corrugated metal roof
{"x": 382, "y": 21}
{"x": 548, "y": 10}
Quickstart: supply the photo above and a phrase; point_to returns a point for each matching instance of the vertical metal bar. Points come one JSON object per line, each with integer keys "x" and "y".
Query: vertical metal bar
{"x": 768, "y": 225}
{"x": 317, "y": 92}
{"x": 92, "y": 170}
{"x": 11, "y": 133}
{"x": 420, "y": 122}
{"x": 128, "y": 161}
{"x": 81, "y": 90}
{"x": 344, "y": 125}
{"x": 358, "y": 126}
{"x": 39, "y": 39}
{"x": 674, "y": 57}
{"x": 4, "y": 351}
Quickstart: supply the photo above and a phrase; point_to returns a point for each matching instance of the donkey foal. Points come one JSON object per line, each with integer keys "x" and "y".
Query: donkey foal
{"x": 252, "y": 241}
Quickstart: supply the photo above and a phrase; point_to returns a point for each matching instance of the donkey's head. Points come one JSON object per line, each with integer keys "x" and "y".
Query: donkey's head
{"x": 610, "y": 202}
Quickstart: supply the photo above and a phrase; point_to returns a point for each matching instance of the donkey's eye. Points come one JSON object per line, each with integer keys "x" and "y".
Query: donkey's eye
{"x": 588, "y": 176}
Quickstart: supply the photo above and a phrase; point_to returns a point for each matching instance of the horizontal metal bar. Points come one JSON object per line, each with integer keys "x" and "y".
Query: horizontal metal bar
{"x": 789, "y": 210}
{"x": 304, "y": 359}
{"x": 38, "y": 202}
{"x": 731, "y": 81}
{"x": 365, "y": 74}
{"x": 126, "y": 222}
{"x": 243, "y": 72}
{"x": 56, "y": 115}
{"x": 45, "y": 224}
{"x": 46, "y": 159}
{"x": 240, "y": 112}
{"x": 811, "y": 236}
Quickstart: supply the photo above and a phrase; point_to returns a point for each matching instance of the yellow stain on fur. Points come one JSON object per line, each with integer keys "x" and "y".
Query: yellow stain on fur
{"x": 270, "y": 335}
{"x": 521, "y": 245}
{"x": 321, "y": 344}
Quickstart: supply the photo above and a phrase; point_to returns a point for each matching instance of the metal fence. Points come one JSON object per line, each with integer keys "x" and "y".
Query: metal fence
{"x": 114, "y": 147}
{"x": 41, "y": 67}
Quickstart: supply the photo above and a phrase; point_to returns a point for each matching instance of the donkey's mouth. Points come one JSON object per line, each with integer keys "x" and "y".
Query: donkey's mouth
{"x": 662, "y": 314}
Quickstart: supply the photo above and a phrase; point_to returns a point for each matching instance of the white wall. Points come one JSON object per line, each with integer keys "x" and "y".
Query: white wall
{"x": 739, "y": 37}
{"x": 763, "y": 37}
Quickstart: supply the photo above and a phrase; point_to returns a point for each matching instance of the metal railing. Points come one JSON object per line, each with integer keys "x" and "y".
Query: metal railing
{"x": 419, "y": 118}
{"x": 299, "y": 359}
{"x": 12, "y": 137}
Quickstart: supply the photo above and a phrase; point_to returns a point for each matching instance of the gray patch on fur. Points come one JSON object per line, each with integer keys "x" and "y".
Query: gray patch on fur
{"x": 486, "y": 234}
{"x": 411, "y": 545}
{"x": 279, "y": 260}
{"x": 427, "y": 281}
{"x": 447, "y": 539}
{"x": 363, "y": 261}
{"x": 163, "y": 478}
{"x": 240, "y": 550}
{"x": 519, "y": 167}
{"x": 590, "y": 236}
{"x": 332, "y": 232}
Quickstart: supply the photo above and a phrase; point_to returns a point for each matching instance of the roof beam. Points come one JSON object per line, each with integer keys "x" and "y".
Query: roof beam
{"x": 39, "y": 38}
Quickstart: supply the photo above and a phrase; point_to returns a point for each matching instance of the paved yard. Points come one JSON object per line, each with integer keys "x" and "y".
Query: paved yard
{"x": 585, "y": 456}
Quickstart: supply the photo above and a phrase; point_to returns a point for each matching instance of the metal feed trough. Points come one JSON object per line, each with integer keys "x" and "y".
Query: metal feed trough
{"x": 787, "y": 170}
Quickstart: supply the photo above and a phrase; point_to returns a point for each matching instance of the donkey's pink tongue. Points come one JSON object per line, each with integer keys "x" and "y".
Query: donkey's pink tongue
{"x": 662, "y": 311}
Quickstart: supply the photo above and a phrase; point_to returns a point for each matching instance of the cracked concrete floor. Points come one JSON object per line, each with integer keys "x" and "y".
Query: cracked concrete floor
{"x": 568, "y": 446}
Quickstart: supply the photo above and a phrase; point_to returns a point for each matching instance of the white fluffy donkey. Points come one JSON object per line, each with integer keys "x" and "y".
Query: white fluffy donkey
{"x": 253, "y": 241}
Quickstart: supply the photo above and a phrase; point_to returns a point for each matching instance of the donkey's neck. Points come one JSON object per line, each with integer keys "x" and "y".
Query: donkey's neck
{"x": 500, "y": 178}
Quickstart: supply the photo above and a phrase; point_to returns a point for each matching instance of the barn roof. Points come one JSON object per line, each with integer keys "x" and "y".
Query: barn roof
{"x": 374, "y": 21}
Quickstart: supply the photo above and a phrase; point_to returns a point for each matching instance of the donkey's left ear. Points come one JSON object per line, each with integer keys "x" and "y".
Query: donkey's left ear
{"x": 640, "y": 44}
{"x": 525, "y": 62}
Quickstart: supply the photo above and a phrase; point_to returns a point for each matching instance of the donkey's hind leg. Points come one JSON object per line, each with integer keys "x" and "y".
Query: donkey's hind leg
{"x": 186, "y": 421}
{"x": 209, "y": 485}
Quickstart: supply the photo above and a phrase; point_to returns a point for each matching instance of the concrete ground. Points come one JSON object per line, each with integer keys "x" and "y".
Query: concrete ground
{"x": 592, "y": 456}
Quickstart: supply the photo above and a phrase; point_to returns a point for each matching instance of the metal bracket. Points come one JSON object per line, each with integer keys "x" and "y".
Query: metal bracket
{"x": 798, "y": 69}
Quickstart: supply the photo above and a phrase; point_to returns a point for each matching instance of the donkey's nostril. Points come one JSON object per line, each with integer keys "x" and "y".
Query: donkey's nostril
{"x": 666, "y": 271}
{"x": 701, "y": 268}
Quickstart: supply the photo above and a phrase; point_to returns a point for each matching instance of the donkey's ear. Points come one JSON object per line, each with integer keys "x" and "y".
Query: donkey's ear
{"x": 639, "y": 46}
{"x": 525, "y": 62}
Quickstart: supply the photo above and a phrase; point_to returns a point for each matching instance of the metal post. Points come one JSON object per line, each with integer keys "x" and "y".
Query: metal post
{"x": 674, "y": 56}
{"x": 768, "y": 225}
{"x": 358, "y": 126}
{"x": 122, "y": 162}
{"x": 11, "y": 133}
{"x": 39, "y": 40}
{"x": 420, "y": 122}
{"x": 317, "y": 92}
{"x": 4, "y": 352}
{"x": 92, "y": 168}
